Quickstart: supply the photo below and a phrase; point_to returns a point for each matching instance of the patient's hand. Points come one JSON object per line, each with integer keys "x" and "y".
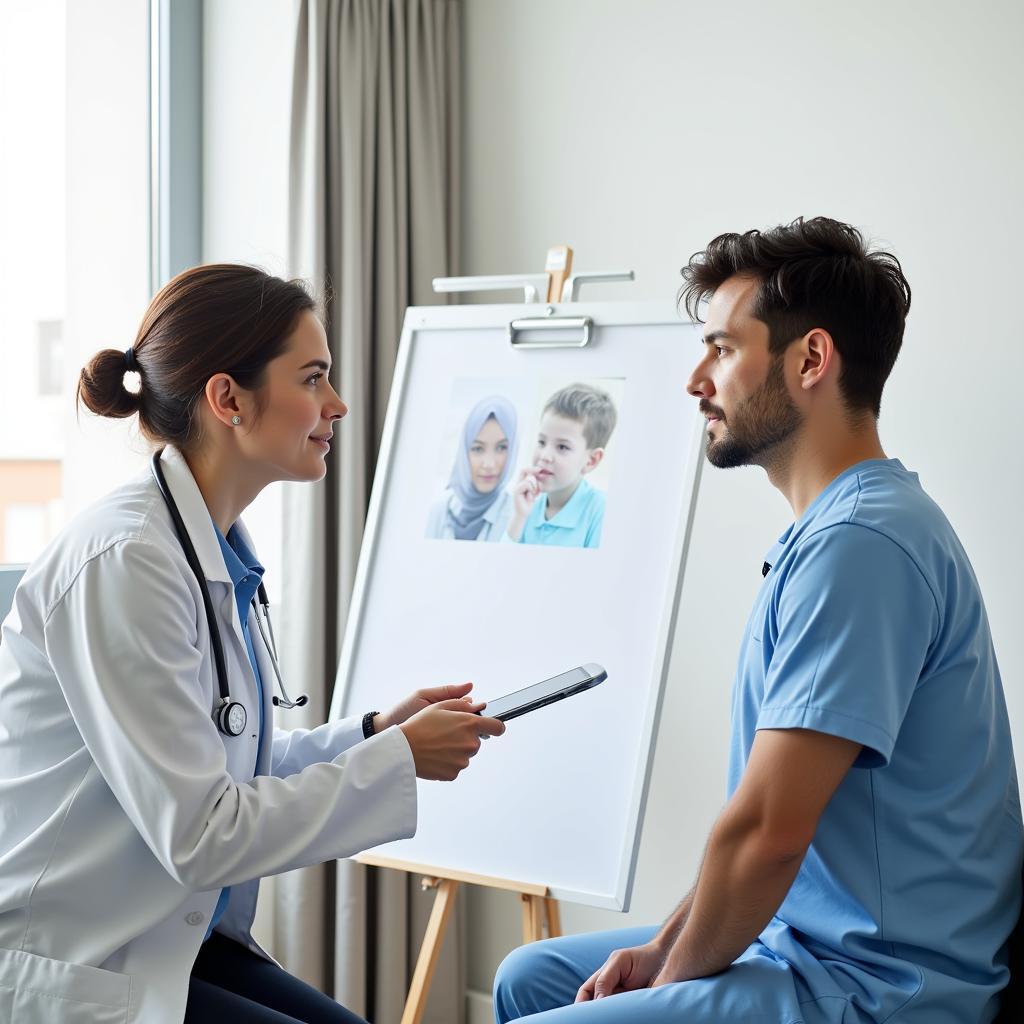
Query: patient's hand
{"x": 624, "y": 971}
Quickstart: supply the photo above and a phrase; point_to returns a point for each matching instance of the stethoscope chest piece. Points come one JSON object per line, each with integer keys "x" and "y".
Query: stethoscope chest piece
{"x": 231, "y": 718}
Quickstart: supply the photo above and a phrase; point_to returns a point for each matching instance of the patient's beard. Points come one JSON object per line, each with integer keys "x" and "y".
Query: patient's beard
{"x": 760, "y": 431}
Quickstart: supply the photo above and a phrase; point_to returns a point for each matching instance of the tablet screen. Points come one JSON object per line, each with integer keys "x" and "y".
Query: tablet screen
{"x": 538, "y": 691}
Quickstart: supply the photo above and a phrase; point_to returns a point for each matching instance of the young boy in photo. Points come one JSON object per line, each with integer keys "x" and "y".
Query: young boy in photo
{"x": 553, "y": 503}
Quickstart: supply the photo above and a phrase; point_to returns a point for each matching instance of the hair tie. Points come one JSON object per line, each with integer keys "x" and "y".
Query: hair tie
{"x": 130, "y": 365}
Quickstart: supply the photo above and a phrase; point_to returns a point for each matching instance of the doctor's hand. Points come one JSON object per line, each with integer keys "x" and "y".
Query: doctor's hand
{"x": 405, "y": 709}
{"x": 624, "y": 971}
{"x": 444, "y": 736}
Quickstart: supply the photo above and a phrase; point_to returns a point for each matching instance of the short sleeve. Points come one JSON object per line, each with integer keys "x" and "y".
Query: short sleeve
{"x": 855, "y": 621}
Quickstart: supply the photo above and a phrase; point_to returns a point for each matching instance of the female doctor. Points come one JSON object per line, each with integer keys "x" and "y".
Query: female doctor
{"x": 144, "y": 788}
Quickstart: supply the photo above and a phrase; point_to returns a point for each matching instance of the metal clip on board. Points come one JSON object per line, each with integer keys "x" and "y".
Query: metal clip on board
{"x": 545, "y": 328}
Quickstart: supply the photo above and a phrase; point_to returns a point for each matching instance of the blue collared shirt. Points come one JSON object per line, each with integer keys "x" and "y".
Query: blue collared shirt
{"x": 870, "y": 626}
{"x": 246, "y": 575}
{"x": 576, "y": 525}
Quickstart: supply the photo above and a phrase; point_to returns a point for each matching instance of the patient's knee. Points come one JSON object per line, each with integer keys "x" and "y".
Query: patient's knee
{"x": 519, "y": 984}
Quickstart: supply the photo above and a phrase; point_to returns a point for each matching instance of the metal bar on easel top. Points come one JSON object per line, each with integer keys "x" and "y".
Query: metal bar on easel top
{"x": 557, "y": 284}
{"x": 571, "y": 288}
{"x": 532, "y": 285}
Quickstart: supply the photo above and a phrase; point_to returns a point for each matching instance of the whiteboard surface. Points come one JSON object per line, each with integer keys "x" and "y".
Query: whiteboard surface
{"x": 557, "y": 800}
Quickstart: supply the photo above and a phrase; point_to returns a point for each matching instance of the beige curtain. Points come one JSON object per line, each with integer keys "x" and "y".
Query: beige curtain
{"x": 374, "y": 199}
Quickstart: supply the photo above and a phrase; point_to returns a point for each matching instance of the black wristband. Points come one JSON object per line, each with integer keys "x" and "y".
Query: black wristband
{"x": 368, "y": 729}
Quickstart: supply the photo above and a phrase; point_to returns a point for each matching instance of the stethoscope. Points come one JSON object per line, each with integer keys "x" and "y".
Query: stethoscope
{"x": 229, "y": 715}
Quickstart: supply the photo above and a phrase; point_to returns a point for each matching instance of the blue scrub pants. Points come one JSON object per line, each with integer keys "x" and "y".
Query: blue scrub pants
{"x": 544, "y": 977}
{"x": 230, "y": 983}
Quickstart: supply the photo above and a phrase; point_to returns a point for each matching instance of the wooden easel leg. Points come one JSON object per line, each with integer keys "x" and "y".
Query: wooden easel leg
{"x": 554, "y": 917}
{"x": 440, "y": 914}
{"x": 537, "y": 910}
{"x": 537, "y": 918}
{"x": 533, "y": 921}
{"x": 527, "y": 905}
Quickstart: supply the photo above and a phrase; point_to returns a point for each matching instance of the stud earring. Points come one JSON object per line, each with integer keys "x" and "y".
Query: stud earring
{"x": 235, "y": 420}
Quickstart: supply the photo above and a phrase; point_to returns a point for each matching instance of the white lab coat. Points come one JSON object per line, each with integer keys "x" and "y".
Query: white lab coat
{"x": 123, "y": 809}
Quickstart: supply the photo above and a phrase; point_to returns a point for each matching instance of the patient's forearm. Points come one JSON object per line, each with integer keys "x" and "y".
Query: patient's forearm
{"x": 744, "y": 879}
{"x": 674, "y": 925}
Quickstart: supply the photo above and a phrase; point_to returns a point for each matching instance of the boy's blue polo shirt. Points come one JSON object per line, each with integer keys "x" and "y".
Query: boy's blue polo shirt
{"x": 870, "y": 626}
{"x": 246, "y": 574}
{"x": 576, "y": 525}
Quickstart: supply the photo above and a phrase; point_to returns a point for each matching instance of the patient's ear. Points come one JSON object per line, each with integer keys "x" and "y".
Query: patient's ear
{"x": 817, "y": 356}
{"x": 593, "y": 460}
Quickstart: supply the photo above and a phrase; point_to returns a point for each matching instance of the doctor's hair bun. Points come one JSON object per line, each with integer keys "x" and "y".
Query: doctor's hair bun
{"x": 101, "y": 386}
{"x": 219, "y": 318}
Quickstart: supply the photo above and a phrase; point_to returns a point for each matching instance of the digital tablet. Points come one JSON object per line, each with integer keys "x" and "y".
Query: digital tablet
{"x": 576, "y": 680}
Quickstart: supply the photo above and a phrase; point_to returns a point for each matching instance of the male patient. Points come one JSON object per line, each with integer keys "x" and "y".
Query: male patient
{"x": 866, "y": 867}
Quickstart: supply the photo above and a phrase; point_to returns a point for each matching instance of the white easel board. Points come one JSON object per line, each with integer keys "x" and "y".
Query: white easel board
{"x": 559, "y": 799}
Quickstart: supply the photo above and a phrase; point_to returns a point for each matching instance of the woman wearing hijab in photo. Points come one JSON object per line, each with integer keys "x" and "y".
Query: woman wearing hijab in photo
{"x": 475, "y": 505}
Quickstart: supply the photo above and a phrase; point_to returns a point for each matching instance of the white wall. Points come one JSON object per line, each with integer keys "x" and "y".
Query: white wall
{"x": 636, "y": 132}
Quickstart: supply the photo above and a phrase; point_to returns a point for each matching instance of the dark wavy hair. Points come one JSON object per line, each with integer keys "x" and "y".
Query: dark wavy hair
{"x": 815, "y": 273}
{"x": 217, "y": 318}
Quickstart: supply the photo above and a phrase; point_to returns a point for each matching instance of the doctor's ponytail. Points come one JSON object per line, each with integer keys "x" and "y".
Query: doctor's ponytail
{"x": 101, "y": 386}
{"x": 219, "y": 318}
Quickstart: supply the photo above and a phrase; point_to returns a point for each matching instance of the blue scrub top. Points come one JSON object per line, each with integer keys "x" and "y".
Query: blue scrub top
{"x": 576, "y": 525}
{"x": 870, "y": 626}
{"x": 246, "y": 574}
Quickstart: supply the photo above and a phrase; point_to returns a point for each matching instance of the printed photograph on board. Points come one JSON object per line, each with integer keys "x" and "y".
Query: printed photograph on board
{"x": 526, "y": 461}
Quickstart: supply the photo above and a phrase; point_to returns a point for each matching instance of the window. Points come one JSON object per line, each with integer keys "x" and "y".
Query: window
{"x": 74, "y": 223}
{"x": 50, "y": 335}
{"x": 32, "y": 268}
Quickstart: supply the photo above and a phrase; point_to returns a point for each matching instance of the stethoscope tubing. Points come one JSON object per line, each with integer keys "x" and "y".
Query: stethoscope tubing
{"x": 229, "y": 715}
{"x": 284, "y": 701}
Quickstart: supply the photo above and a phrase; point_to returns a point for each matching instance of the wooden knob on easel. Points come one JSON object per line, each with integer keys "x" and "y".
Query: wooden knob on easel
{"x": 558, "y": 266}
